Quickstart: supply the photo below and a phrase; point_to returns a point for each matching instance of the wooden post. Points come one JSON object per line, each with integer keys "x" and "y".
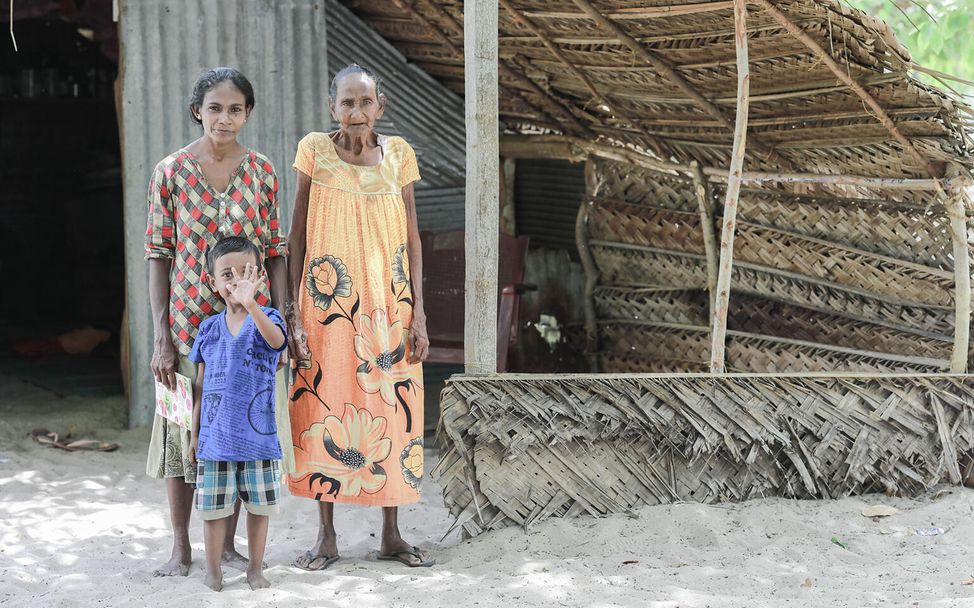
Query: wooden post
{"x": 483, "y": 177}
{"x": 508, "y": 221}
{"x": 702, "y": 189}
{"x": 590, "y": 267}
{"x": 962, "y": 280}
{"x": 719, "y": 321}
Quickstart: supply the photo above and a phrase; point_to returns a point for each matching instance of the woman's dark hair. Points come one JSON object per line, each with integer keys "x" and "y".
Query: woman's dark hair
{"x": 212, "y": 77}
{"x": 354, "y": 68}
{"x": 230, "y": 244}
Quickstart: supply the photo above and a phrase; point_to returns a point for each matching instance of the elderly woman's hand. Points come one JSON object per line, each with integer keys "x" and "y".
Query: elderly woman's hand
{"x": 419, "y": 340}
{"x": 297, "y": 344}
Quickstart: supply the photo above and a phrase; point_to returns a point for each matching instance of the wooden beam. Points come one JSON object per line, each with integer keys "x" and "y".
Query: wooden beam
{"x": 722, "y": 300}
{"x": 482, "y": 179}
{"x": 576, "y": 150}
{"x": 547, "y": 100}
{"x": 880, "y": 183}
{"x": 668, "y": 72}
{"x": 957, "y": 211}
{"x": 550, "y": 105}
{"x": 661, "y": 66}
{"x": 842, "y": 75}
{"x": 599, "y": 97}
{"x": 650, "y": 12}
{"x": 410, "y": 9}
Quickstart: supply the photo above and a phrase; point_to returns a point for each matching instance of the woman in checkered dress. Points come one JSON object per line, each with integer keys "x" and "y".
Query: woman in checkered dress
{"x": 213, "y": 187}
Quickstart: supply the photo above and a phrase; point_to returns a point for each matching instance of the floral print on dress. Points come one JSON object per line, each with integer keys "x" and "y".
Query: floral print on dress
{"x": 381, "y": 346}
{"x": 411, "y": 462}
{"x": 348, "y": 451}
{"x": 327, "y": 279}
{"x": 399, "y": 265}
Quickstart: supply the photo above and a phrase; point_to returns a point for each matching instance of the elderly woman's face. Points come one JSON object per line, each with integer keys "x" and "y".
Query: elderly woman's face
{"x": 356, "y": 106}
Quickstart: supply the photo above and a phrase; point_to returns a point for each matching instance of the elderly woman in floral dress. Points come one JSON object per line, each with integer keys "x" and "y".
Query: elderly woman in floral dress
{"x": 356, "y": 280}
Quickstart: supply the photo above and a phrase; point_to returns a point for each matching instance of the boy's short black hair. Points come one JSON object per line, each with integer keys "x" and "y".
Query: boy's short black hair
{"x": 230, "y": 244}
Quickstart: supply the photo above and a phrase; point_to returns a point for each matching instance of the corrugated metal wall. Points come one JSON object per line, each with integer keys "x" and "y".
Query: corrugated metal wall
{"x": 547, "y": 193}
{"x": 421, "y": 110}
{"x": 165, "y": 44}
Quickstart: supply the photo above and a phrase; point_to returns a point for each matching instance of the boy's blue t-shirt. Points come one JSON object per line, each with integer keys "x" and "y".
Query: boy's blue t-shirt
{"x": 237, "y": 412}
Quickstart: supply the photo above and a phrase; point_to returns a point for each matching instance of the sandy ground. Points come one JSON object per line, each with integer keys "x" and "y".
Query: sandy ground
{"x": 86, "y": 530}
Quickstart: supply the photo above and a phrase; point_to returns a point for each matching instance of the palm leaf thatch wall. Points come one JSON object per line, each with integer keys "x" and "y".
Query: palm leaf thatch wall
{"x": 849, "y": 270}
{"x": 851, "y": 276}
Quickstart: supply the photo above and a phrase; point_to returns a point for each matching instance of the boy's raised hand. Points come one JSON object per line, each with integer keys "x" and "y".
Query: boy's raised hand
{"x": 244, "y": 288}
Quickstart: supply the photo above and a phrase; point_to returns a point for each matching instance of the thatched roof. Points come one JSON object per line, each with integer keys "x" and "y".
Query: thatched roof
{"x": 660, "y": 75}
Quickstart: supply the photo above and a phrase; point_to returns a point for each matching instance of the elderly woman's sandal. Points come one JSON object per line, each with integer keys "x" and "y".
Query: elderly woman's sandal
{"x": 310, "y": 561}
{"x": 403, "y": 557}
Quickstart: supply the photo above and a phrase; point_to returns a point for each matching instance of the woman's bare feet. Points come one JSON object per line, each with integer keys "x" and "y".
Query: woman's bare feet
{"x": 256, "y": 579}
{"x": 180, "y": 495}
{"x": 214, "y": 581}
{"x": 178, "y": 564}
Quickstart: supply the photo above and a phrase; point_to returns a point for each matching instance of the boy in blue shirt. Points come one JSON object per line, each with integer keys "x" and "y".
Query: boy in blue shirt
{"x": 234, "y": 435}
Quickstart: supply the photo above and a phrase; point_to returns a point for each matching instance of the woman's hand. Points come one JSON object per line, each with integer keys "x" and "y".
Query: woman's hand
{"x": 419, "y": 340}
{"x": 194, "y": 442}
{"x": 163, "y": 363}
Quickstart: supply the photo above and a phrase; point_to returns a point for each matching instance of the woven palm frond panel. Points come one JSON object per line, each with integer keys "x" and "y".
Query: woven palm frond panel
{"x": 907, "y": 233}
{"x": 756, "y": 315}
{"x": 869, "y": 281}
{"x": 519, "y": 449}
{"x": 775, "y": 249}
{"x": 751, "y": 352}
{"x": 627, "y": 266}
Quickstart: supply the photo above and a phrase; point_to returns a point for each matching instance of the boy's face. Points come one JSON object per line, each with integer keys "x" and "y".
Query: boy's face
{"x": 222, "y": 280}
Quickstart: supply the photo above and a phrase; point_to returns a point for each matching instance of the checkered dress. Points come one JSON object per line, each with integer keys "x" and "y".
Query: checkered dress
{"x": 186, "y": 215}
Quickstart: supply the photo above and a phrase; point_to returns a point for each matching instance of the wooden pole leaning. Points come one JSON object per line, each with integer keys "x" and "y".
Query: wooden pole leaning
{"x": 481, "y": 206}
{"x": 957, "y": 211}
{"x": 725, "y": 267}
{"x": 702, "y": 190}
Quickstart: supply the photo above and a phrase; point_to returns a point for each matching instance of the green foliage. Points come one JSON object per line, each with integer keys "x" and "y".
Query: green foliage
{"x": 939, "y": 35}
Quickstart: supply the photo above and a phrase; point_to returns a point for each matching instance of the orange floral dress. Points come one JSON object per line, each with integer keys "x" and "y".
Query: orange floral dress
{"x": 357, "y": 413}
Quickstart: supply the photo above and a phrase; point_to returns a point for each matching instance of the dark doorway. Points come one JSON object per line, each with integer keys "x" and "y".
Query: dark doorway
{"x": 61, "y": 255}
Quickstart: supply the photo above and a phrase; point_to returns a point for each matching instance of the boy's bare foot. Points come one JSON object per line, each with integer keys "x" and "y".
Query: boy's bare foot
{"x": 235, "y": 560}
{"x": 213, "y": 582}
{"x": 257, "y": 580}
{"x": 178, "y": 565}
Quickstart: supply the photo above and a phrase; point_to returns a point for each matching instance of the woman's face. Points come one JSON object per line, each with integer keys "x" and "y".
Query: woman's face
{"x": 223, "y": 113}
{"x": 356, "y": 106}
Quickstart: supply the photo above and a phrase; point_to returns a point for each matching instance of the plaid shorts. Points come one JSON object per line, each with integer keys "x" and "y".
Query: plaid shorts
{"x": 257, "y": 483}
